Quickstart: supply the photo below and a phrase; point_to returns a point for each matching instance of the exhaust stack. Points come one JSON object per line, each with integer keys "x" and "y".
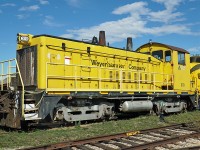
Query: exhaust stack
{"x": 129, "y": 45}
{"x": 102, "y": 38}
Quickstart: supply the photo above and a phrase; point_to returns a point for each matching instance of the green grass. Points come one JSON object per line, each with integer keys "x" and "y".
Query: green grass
{"x": 38, "y": 137}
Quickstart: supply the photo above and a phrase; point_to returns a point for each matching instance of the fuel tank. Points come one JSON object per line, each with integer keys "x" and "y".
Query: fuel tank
{"x": 137, "y": 106}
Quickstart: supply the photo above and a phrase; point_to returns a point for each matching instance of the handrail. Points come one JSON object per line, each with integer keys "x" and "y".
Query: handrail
{"x": 62, "y": 64}
{"x": 2, "y": 69}
{"x": 152, "y": 78}
{"x": 8, "y": 66}
{"x": 23, "y": 92}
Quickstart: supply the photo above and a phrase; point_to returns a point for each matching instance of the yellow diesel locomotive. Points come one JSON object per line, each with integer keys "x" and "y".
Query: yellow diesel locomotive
{"x": 55, "y": 79}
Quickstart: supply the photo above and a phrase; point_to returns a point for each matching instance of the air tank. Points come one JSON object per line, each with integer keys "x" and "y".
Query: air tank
{"x": 137, "y": 106}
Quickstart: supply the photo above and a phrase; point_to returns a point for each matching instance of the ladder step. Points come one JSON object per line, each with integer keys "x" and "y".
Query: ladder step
{"x": 29, "y": 100}
{"x": 30, "y": 109}
{"x": 3, "y": 111}
{"x": 28, "y": 96}
{"x": 32, "y": 116}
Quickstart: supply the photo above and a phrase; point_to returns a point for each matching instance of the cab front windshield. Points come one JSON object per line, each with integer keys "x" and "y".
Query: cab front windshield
{"x": 158, "y": 54}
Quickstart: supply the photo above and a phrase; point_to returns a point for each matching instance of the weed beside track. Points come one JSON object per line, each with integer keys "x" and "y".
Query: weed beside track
{"x": 16, "y": 139}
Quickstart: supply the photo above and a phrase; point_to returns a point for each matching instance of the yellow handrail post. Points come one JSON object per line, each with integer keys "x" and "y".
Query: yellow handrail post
{"x": 99, "y": 79}
{"x": 167, "y": 83}
{"x": 6, "y": 76}
{"x": 22, "y": 96}
{"x": 139, "y": 81}
{"x": 9, "y": 73}
{"x": 46, "y": 75}
{"x": 154, "y": 77}
{"x": 2, "y": 69}
{"x": 75, "y": 74}
{"x": 121, "y": 78}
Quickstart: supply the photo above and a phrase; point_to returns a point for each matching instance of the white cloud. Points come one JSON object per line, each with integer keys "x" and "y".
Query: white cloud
{"x": 115, "y": 30}
{"x": 169, "y": 4}
{"x": 9, "y": 4}
{"x": 28, "y": 25}
{"x": 168, "y": 29}
{"x": 138, "y": 9}
{"x": 194, "y": 49}
{"x": 137, "y": 22}
{"x": 22, "y": 16}
{"x": 74, "y": 3}
{"x": 168, "y": 15}
{"x": 49, "y": 21}
{"x": 29, "y": 8}
{"x": 44, "y": 2}
{"x": 70, "y": 36}
{"x": 165, "y": 16}
{"x": 134, "y": 8}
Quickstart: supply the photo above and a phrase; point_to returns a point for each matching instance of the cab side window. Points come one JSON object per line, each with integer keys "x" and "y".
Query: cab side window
{"x": 181, "y": 58}
{"x": 195, "y": 59}
{"x": 168, "y": 57}
{"x": 158, "y": 54}
{"x": 198, "y": 59}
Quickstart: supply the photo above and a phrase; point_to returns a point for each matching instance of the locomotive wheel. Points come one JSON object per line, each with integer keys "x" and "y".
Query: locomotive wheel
{"x": 185, "y": 106}
{"x": 155, "y": 110}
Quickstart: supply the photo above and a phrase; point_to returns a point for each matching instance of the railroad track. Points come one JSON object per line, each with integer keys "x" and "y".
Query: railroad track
{"x": 177, "y": 136}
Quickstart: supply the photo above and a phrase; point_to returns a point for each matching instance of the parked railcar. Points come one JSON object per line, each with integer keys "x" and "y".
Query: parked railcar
{"x": 55, "y": 79}
{"x": 195, "y": 75}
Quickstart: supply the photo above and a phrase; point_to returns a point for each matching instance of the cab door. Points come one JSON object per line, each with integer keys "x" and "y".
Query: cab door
{"x": 181, "y": 69}
{"x": 168, "y": 71}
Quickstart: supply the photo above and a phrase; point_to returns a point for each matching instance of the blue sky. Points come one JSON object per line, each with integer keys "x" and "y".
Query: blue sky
{"x": 173, "y": 22}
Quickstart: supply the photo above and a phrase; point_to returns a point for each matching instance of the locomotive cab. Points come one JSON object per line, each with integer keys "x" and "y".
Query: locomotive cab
{"x": 176, "y": 77}
{"x": 165, "y": 55}
{"x": 176, "y": 62}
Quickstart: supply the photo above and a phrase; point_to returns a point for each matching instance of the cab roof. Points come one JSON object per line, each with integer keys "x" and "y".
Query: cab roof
{"x": 165, "y": 45}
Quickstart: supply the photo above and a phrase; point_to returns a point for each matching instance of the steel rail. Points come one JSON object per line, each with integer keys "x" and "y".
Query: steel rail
{"x": 162, "y": 142}
{"x": 95, "y": 140}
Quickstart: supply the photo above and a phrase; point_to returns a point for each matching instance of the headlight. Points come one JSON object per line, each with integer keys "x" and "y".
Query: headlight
{"x": 24, "y": 39}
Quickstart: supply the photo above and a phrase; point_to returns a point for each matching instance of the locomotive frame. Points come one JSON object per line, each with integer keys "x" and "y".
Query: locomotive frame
{"x": 55, "y": 79}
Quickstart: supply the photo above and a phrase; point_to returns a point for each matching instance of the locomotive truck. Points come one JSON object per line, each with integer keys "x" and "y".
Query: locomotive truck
{"x": 60, "y": 80}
